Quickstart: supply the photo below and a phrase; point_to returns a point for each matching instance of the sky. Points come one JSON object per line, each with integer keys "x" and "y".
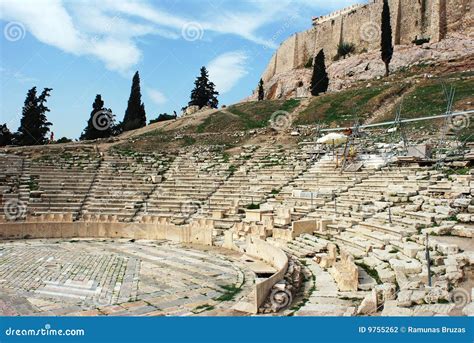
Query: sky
{"x": 82, "y": 48}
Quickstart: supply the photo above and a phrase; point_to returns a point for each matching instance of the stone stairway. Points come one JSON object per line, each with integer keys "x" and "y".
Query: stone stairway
{"x": 59, "y": 183}
{"x": 121, "y": 185}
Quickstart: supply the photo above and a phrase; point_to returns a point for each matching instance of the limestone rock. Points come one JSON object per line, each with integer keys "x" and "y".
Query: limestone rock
{"x": 368, "y": 305}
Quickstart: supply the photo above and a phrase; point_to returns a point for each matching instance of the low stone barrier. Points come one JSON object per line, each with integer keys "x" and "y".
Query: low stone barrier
{"x": 199, "y": 232}
{"x": 275, "y": 257}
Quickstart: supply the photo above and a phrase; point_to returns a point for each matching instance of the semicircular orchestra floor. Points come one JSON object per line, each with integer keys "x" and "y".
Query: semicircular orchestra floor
{"x": 118, "y": 277}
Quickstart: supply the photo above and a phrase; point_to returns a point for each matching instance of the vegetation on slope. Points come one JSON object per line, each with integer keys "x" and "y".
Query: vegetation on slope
{"x": 232, "y": 126}
{"x": 423, "y": 98}
{"x": 246, "y": 116}
{"x": 428, "y": 99}
{"x": 341, "y": 108}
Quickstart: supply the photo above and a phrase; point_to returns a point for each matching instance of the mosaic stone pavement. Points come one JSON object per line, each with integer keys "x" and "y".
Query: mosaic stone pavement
{"x": 118, "y": 277}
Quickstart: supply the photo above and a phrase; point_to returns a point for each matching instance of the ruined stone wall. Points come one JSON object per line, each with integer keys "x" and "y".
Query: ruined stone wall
{"x": 411, "y": 19}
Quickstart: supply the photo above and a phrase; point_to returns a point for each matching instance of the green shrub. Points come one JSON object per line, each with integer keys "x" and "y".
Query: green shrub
{"x": 345, "y": 49}
{"x": 253, "y": 206}
{"x": 188, "y": 140}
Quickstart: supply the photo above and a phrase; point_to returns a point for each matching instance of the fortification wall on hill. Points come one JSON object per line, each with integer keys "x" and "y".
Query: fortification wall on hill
{"x": 411, "y": 19}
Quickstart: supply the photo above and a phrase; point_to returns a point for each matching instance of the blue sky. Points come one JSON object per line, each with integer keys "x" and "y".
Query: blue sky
{"x": 84, "y": 48}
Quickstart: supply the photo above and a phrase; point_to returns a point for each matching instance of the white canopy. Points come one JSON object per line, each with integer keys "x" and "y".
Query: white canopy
{"x": 333, "y": 138}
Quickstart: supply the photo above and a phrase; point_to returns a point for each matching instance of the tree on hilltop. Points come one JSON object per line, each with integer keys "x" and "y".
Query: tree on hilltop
{"x": 6, "y": 136}
{"x": 386, "y": 40}
{"x": 34, "y": 125}
{"x": 135, "y": 116}
{"x": 320, "y": 79}
{"x": 261, "y": 92}
{"x": 204, "y": 93}
{"x": 100, "y": 123}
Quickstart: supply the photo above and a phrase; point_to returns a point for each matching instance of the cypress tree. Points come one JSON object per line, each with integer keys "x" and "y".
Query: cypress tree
{"x": 135, "y": 116}
{"x": 386, "y": 41}
{"x": 319, "y": 80}
{"x": 261, "y": 92}
{"x": 100, "y": 123}
{"x": 204, "y": 93}
{"x": 34, "y": 125}
{"x": 5, "y": 135}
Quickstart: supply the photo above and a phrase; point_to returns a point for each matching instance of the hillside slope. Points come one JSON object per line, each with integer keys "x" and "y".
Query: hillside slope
{"x": 419, "y": 91}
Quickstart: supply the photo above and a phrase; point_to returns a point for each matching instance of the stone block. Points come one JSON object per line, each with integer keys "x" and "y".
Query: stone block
{"x": 368, "y": 304}
{"x": 407, "y": 266}
{"x": 346, "y": 273}
{"x": 386, "y": 275}
{"x": 447, "y": 249}
{"x": 411, "y": 249}
{"x": 464, "y": 217}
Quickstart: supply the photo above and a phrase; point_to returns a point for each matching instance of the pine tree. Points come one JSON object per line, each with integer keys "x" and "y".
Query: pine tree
{"x": 34, "y": 125}
{"x": 100, "y": 123}
{"x": 204, "y": 93}
{"x": 5, "y": 135}
{"x": 386, "y": 41}
{"x": 319, "y": 80}
{"x": 135, "y": 116}
{"x": 261, "y": 92}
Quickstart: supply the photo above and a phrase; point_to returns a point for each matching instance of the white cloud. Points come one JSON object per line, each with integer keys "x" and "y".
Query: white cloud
{"x": 156, "y": 96}
{"x": 227, "y": 69}
{"x": 118, "y": 55}
{"x": 47, "y": 20}
{"x": 51, "y": 23}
